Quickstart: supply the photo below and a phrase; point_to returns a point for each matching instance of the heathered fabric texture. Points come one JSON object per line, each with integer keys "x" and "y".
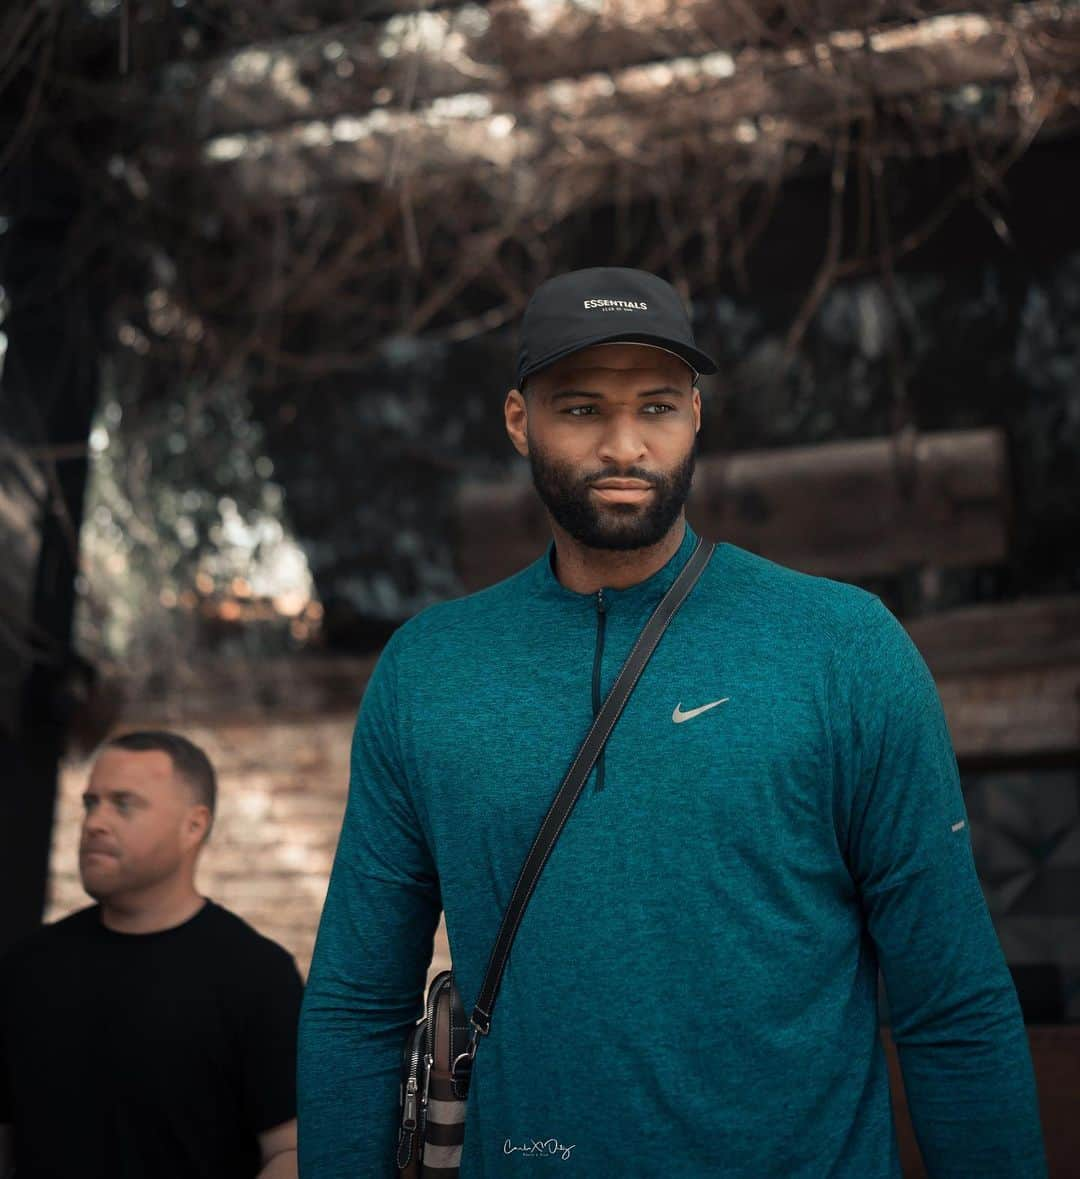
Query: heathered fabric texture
{"x": 693, "y": 989}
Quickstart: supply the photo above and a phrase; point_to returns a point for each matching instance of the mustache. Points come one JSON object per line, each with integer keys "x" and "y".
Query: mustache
{"x": 649, "y": 477}
{"x": 96, "y": 846}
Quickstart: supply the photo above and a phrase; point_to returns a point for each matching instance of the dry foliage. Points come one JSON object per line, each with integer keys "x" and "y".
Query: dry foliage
{"x": 271, "y": 190}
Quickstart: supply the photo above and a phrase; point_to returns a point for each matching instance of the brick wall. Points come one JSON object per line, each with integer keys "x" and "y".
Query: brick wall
{"x": 281, "y": 793}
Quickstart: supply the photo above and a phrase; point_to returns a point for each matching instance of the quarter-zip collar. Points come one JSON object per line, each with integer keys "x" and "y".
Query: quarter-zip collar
{"x": 647, "y": 592}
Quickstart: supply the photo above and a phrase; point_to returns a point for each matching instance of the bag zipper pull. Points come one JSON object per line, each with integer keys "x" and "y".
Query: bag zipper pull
{"x": 408, "y": 1122}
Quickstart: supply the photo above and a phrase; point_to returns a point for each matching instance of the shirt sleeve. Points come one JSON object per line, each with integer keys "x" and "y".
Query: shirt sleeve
{"x": 269, "y": 1045}
{"x": 373, "y": 949}
{"x": 955, "y": 1015}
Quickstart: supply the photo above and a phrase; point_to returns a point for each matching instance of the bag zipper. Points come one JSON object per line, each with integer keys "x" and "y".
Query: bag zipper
{"x": 410, "y": 1128}
{"x": 415, "y": 1097}
{"x": 408, "y": 1121}
{"x": 429, "y": 1027}
{"x": 601, "y": 619}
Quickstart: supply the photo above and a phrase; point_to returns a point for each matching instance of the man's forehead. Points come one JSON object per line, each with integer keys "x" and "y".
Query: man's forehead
{"x": 143, "y": 764}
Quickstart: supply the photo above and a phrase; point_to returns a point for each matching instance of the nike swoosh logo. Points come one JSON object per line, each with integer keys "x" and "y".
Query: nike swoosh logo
{"x": 678, "y": 716}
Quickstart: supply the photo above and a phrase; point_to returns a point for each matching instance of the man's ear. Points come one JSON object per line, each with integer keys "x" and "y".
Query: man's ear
{"x": 517, "y": 421}
{"x": 196, "y": 825}
{"x": 695, "y": 405}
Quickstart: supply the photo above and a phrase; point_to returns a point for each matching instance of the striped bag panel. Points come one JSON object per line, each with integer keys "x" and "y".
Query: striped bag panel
{"x": 444, "y": 1128}
{"x": 433, "y": 1149}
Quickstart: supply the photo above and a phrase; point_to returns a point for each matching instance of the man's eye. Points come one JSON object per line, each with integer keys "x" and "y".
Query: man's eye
{"x": 658, "y": 407}
{"x": 580, "y": 411}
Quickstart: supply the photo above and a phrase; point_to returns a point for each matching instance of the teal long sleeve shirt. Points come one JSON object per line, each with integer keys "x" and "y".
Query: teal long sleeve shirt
{"x": 693, "y": 988}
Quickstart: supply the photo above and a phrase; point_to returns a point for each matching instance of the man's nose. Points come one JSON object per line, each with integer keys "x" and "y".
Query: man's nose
{"x": 623, "y": 443}
{"x": 94, "y": 822}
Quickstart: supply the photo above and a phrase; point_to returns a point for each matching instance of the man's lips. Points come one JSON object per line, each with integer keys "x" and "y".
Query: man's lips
{"x": 622, "y": 491}
{"x": 97, "y": 851}
{"x": 619, "y": 483}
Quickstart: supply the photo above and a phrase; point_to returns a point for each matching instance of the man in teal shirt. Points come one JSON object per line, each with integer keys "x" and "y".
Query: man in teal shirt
{"x": 777, "y": 815}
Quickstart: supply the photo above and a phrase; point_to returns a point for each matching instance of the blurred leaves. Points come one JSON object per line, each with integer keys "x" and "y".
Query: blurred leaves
{"x": 184, "y": 532}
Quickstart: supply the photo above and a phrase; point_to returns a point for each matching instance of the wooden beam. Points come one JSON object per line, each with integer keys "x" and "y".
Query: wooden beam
{"x": 1009, "y": 677}
{"x": 1014, "y": 716}
{"x": 500, "y": 528}
{"x": 855, "y": 509}
{"x": 229, "y": 689}
{"x": 1001, "y": 637}
{"x": 845, "y": 509}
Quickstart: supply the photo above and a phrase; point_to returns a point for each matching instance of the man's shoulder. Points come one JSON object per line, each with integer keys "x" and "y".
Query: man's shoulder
{"x": 81, "y": 921}
{"x": 49, "y": 940}
{"x": 460, "y": 616}
{"x": 782, "y": 595}
{"x": 240, "y": 943}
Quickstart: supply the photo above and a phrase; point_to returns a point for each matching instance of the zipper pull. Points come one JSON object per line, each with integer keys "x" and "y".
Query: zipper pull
{"x": 601, "y": 605}
{"x": 408, "y": 1122}
{"x": 429, "y": 1060}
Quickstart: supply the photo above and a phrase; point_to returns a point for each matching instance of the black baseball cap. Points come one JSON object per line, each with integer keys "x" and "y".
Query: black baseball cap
{"x": 605, "y": 305}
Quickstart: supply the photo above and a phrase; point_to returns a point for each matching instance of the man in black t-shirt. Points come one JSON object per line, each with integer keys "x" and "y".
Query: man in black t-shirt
{"x": 152, "y": 1035}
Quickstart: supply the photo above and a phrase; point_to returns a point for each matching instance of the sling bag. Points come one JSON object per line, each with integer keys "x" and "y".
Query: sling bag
{"x": 439, "y": 1051}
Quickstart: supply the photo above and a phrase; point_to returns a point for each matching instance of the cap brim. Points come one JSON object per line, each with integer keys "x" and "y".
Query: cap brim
{"x": 699, "y": 361}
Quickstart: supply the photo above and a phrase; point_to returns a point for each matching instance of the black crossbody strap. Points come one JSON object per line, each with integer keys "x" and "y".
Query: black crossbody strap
{"x": 575, "y": 779}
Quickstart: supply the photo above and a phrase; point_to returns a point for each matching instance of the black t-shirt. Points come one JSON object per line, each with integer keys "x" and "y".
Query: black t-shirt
{"x": 146, "y": 1056}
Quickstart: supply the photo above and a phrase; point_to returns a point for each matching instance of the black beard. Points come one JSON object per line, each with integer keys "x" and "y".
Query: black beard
{"x": 620, "y": 527}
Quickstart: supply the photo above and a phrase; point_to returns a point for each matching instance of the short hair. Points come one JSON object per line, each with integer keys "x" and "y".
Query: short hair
{"x": 188, "y": 760}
